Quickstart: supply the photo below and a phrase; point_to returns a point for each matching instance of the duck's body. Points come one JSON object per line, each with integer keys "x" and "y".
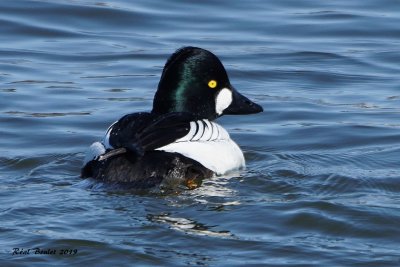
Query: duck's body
{"x": 177, "y": 143}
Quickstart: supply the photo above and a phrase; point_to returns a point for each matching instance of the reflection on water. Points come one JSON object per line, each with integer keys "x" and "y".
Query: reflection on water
{"x": 188, "y": 226}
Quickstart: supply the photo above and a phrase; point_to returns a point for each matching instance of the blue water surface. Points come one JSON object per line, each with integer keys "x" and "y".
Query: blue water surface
{"x": 322, "y": 184}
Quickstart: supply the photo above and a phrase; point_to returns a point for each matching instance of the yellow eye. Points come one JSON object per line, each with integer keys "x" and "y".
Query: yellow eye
{"x": 212, "y": 84}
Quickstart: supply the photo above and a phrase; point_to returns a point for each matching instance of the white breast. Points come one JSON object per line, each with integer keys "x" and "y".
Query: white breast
{"x": 209, "y": 144}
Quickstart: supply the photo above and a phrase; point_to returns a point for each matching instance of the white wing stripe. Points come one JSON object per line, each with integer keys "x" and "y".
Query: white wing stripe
{"x": 208, "y": 131}
{"x": 106, "y": 140}
{"x": 215, "y": 132}
{"x": 217, "y": 126}
{"x": 210, "y": 127}
{"x": 203, "y": 131}
{"x": 190, "y": 134}
{"x": 200, "y": 131}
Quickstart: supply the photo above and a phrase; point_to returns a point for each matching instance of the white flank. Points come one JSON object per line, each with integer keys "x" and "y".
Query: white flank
{"x": 223, "y": 100}
{"x": 211, "y": 146}
{"x": 95, "y": 150}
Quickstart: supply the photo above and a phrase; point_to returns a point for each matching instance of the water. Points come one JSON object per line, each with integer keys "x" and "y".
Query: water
{"x": 322, "y": 185}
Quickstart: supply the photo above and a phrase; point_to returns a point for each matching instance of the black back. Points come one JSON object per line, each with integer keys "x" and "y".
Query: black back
{"x": 142, "y": 132}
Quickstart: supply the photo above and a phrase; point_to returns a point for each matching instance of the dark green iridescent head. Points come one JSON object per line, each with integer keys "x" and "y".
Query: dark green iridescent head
{"x": 192, "y": 80}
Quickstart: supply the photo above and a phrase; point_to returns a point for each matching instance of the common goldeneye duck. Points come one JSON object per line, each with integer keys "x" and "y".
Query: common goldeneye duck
{"x": 178, "y": 142}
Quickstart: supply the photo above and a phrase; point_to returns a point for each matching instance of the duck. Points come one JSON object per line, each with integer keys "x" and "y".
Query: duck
{"x": 178, "y": 143}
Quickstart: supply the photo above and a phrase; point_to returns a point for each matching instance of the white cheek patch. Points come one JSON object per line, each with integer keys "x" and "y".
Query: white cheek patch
{"x": 223, "y": 100}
